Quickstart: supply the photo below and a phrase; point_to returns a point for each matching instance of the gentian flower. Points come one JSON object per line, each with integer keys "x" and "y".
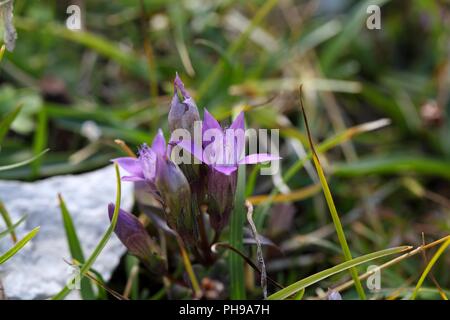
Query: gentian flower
{"x": 133, "y": 235}
{"x": 223, "y": 151}
{"x": 143, "y": 168}
{"x": 166, "y": 182}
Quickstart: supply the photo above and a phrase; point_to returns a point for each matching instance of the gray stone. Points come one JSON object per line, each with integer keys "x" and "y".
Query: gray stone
{"x": 39, "y": 270}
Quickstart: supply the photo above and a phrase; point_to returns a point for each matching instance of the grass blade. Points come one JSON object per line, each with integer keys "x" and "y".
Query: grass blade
{"x": 12, "y": 227}
{"x": 90, "y": 261}
{"x": 39, "y": 140}
{"x": 300, "y": 285}
{"x": 394, "y": 165}
{"x": 430, "y": 265}
{"x": 19, "y": 245}
{"x": 334, "y": 214}
{"x": 5, "y": 215}
{"x": 75, "y": 247}
{"x": 5, "y": 124}
{"x": 23, "y": 163}
{"x": 236, "y": 264}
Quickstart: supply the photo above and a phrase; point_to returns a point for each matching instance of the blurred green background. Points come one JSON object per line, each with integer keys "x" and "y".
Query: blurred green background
{"x": 113, "y": 80}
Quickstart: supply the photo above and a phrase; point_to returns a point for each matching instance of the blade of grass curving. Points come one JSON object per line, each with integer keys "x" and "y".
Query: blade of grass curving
{"x": 430, "y": 265}
{"x": 6, "y": 122}
{"x": 76, "y": 251}
{"x": 329, "y": 199}
{"x": 6, "y": 217}
{"x": 12, "y": 227}
{"x": 19, "y": 245}
{"x": 236, "y": 265}
{"x": 101, "y": 245}
{"x": 23, "y": 163}
{"x": 306, "y": 282}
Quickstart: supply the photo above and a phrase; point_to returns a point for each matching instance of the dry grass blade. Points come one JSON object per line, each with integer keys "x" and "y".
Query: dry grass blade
{"x": 246, "y": 259}
{"x": 125, "y": 148}
{"x": 392, "y": 262}
{"x": 295, "y": 195}
{"x": 259, "y": 252}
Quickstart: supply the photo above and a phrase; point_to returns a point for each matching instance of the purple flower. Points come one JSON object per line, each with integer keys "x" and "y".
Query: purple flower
{"x": 166, "y": 182}
{"x": 223, "y": 149}
{"x": 183, "y": 110}
{"x": 143, "y": 168}
{"x": 133, "y": 235}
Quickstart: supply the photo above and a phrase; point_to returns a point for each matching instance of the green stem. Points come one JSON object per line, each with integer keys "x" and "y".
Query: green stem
{"x": 237, "y": 289}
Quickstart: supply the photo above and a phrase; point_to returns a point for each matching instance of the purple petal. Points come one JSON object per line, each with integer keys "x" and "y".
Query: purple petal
{"x": 239, "y": 122}
{"x": 192, "y": 148}
{"x": 258, "y": 157}
{"x": 131, "y": 165}
{"x": 209, "y": 122}
{"x": 227, "y": 170}
{"x": 132, "y": 233}
{"x": 132, "y": 178}
{"x": 179, "y": 85}
{"x": 159, "y": 143}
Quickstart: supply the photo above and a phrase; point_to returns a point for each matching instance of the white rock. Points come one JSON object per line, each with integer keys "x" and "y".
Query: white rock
{"x": 39, "y": 271}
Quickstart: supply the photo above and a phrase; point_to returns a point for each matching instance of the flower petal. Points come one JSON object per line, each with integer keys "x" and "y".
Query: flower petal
{"x": 258, "y": 157}
{"x": 179, "y": 85}
{"x": 132, "y": 233}
{"x": 159, "y": 143}
{"x": 209, "y": 122}
{"x": 227, "y": 170}
{"x": 131, "y": 165}
{"x": 239, "y": 122}
{"x": 132, "y": 178}
{"x": 191, "y": 147}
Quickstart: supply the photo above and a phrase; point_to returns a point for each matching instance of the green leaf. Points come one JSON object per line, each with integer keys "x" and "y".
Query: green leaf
{"x": 101, "y": 245}
{"x": 76, "y": 251}
{"x": 11, "y": 252}
{"x": 306, "y": 282}
{"x": 12, "y": 227}
{"x": 23, "y": 163}
{"x": 394, "y": 165}
{"x": 236, "y": 264}
{"x": 7, "y": 121}
{"x": 430, "y": 265}
{"x": 39, "y": 139}
{"x": 5, "y": 215}
{"x": 331, "y": 206}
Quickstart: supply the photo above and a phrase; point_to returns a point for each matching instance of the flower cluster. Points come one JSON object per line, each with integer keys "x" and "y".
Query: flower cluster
{"x": 207, "y": 177}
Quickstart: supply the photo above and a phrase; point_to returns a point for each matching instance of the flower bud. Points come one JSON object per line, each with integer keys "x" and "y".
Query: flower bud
{"x": 220, "y": 197}
{"x": 135, "y": 238}
{"x": 183, "y": 110}
{"x": 176, "y": 194}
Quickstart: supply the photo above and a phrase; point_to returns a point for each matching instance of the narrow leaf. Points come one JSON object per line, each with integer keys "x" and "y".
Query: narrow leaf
{"x": 19, "y": 245}
{"x": 306, "y": 282}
